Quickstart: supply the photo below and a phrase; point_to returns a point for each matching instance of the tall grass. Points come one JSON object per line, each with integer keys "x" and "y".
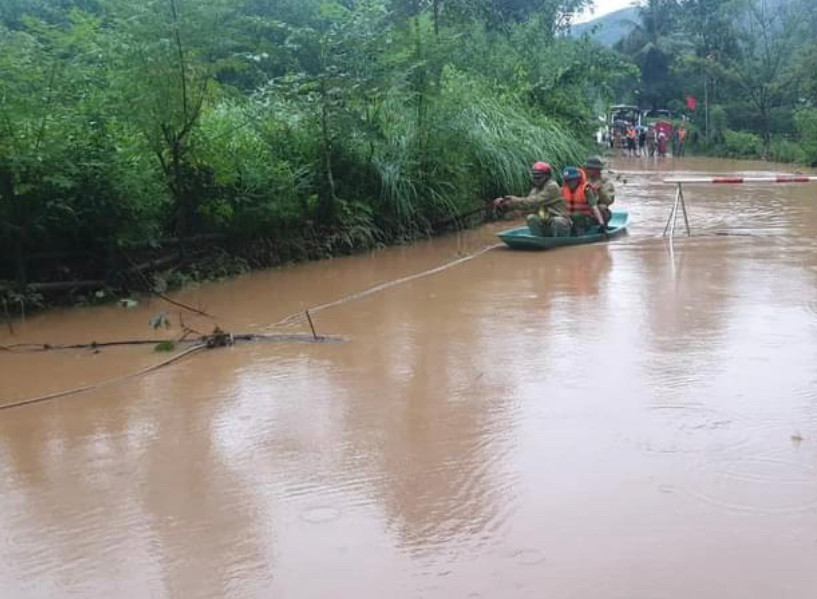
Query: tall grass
{"x": 476, "y": 145}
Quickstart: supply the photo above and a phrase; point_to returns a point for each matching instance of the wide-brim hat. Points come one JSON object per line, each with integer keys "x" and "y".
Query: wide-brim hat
{"x": 594, "y": 162}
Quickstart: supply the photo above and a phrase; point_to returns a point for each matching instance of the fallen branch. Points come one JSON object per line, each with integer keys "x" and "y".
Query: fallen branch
{"x": 171, "y": 241}
{"x": 184, "y": 306}
{"x": 140, "y": 271}
{"x": 217, "y": 339}
{"x": 58, "y": 286}
{"x": 151, "y": 264}
{"x": 61, "y": 255}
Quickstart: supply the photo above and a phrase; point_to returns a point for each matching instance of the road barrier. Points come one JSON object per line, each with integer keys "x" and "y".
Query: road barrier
{"x": 681, "y": 202}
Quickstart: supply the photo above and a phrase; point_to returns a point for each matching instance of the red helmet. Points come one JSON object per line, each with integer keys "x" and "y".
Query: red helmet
{"x": 541, "y": 167}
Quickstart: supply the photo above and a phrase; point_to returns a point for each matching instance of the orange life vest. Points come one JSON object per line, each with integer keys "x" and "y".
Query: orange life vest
{"x": 577, "y": 200}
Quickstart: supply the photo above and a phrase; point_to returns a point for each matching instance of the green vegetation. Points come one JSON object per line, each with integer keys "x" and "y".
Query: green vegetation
{"x": 752, "y": 65}
{"x": 136, "y": 134}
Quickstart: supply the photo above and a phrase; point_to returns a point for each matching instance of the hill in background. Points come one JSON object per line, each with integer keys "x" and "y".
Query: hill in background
{"x": 609, "y": 28}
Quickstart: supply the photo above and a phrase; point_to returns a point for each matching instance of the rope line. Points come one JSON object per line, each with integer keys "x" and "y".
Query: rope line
{"x": 300, "y": 315}
{"x": 108, "y": 383}
{"x": 288, "y": 320}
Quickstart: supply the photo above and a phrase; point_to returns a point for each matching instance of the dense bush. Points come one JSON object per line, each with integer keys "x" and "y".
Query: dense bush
{"x": 785, "y": 150}
{"x": 806, "y": 120}
{"x": 741, "y": 143}
{"x": 336, "y": 124}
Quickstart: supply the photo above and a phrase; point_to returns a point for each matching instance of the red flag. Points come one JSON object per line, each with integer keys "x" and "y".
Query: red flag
{"x": 692, "y": 102}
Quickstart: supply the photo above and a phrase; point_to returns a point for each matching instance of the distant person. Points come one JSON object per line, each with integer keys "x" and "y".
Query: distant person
{"x": 603, "y": 187}
{"x": 662, "y": 144}
{"x": 582, "y": 201}
{"x": 675, "y": 142}
{"x": 632, "y": 136}
{"x": 651, "y": 140}
{"x": 642, "y": 140}
{"x": 550, "y": 215}
{"x": 682, "y": 136}
{"x": 617, "y": 140}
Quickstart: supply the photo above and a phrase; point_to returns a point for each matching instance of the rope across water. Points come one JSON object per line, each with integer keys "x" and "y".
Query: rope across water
{"x": 108, "y": 383}
{"x": 285, "y": 321}
{"x": 300, "y": 316}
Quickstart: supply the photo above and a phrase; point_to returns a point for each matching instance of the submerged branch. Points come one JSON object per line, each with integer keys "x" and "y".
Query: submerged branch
{"x": 217, "y": 339}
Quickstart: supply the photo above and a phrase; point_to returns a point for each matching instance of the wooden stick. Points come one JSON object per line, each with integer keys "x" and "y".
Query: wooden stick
{"x": 139, "y": 271}
{"x": 684, "y": 209}
{"x": 311, "y": 326}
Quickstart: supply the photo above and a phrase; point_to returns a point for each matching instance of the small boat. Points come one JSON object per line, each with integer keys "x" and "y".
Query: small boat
{"x": 521, "y": 238}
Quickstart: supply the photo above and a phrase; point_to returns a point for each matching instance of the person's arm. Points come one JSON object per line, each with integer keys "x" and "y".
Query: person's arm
{"x": 504, "y": 201}
{"x": 607, "y": 193}
{"x": 516, "y": 202}
{"x": 599, "y": 218}
{"x": 593, "y": 200}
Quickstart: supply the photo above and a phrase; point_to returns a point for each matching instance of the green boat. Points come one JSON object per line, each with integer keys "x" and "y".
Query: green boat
{"x": 521, "y": 238}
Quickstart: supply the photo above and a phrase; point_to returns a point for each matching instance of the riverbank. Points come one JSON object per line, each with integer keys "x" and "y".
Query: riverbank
{"x": 319, "y": 130}
{"x": 169, "y": 265}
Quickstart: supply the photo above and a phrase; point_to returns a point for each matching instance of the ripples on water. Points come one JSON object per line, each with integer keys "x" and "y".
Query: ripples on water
{"x": 636, "y": 419}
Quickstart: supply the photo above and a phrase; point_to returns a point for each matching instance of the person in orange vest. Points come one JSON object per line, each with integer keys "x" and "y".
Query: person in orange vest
{"x": 549, "y": 218}
{"x": 582, "y": 201}
{"x": 632, "y": 140}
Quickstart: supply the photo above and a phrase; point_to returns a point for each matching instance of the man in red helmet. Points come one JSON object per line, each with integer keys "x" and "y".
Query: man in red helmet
{"x": 549, "y": 218}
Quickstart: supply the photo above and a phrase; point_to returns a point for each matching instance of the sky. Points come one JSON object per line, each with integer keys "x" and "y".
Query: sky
{"x": 602, "y": 8}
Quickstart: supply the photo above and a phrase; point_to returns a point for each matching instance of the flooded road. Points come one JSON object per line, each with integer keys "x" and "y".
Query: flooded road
{"x": 628, "y": 421}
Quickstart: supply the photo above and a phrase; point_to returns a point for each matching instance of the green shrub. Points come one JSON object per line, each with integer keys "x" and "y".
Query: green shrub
{"x": 783, "y": 150}
{"x": 806, "y": 121}
{"x": 261, "y": 162}
{"x": 742, "y": 143}
{"x": 134, "y": 122}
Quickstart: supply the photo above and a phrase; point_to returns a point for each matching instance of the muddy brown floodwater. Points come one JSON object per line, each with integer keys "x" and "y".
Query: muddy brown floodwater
{"x": 624, "y": 421}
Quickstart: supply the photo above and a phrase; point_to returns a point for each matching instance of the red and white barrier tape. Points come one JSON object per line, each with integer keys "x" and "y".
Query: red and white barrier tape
{"x": 742, "y": 180}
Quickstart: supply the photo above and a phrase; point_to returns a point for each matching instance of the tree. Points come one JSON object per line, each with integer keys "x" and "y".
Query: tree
{"x": 338, "y": 81}
{"x": 655, "y": 45}
{"x": 162, "y": 75}
{"x": 331, "y": 123}
{"x": 765, "y": 42}
{"x": 45, "y": 83}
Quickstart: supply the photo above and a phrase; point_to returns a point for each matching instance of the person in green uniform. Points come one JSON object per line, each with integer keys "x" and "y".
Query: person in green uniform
{"x": 603, "y": 187}
{"x": 549, "y": 218}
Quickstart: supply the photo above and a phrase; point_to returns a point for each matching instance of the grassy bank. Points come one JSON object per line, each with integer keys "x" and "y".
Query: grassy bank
{"x": 207, "y": 137}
